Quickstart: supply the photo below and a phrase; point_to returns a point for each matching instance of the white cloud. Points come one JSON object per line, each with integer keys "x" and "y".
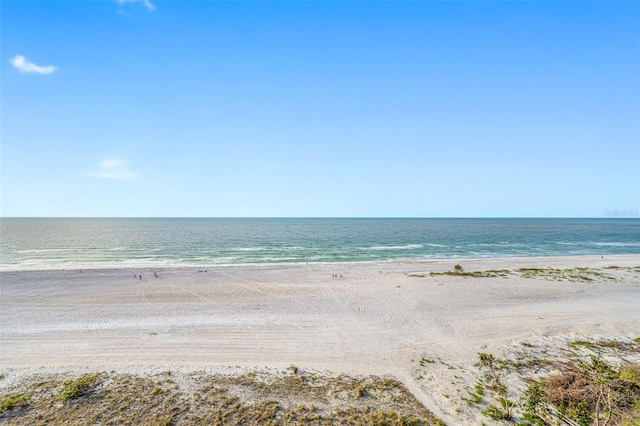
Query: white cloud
{"x": 22, "y": 65}
{"x": 114, "y": 169}
{"x": 145, "y": 3}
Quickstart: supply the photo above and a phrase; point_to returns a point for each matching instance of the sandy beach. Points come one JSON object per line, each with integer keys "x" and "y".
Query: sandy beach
{"x": 354, "y": 318}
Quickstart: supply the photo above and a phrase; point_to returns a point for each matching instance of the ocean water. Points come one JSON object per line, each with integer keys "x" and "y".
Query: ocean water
{"x": 27, "y": 243}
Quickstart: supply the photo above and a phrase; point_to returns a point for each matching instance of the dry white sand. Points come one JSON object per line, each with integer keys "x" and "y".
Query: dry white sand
{"x": 372, "y": 319}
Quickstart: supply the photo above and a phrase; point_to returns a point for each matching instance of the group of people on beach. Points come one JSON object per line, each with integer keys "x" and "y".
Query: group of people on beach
{"x": 155, "y": 274}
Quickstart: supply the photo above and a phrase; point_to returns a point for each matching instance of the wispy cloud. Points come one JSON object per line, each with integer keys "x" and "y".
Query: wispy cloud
{"x": 21, "y": 64}
{"x": 115, "y": 170}
{"x": 145, "y": 3}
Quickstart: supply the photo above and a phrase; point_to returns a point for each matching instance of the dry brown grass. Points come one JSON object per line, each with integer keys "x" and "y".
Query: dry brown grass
{"x": 202, "y": 399}
{"x": 596, "y": 393}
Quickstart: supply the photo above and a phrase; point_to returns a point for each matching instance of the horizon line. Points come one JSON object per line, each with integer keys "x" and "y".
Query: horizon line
{"x": 321, "y": 217}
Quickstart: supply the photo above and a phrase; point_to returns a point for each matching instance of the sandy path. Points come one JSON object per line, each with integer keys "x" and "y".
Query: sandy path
{"x": 375, "y": 319}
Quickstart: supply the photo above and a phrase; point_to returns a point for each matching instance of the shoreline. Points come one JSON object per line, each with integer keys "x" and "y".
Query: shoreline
{"x": 510, "y": 259}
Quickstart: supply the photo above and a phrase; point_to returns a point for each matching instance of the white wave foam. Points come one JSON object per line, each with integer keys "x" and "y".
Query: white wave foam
{"x": 51, "y": 250}
{"x": 618, "y": 244}
{"x": 277, "y": 249}
{"x": 600, "y": 243}
{"x": 404, "y": 247}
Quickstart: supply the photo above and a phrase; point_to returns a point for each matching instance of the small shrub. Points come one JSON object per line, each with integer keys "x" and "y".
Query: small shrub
{"x": 533, "y": 400}
{"x": 597, "y": 371}
{"x": 578, "y": 343}
{"x": 77, "y": 388}
{"x": 532, "y": 420}
{"x": 507, "y": 405}
{"x": 494, "y": 369}
{"x": 630, "y": 373}
{"x": 580, "y": 411}
{"x": 11, "y": 402}
{"x": 610, "y": 344}
{"x": 457, "y": 269}
{"x": 424, "y": 361}
{"x": 495, "y": 413}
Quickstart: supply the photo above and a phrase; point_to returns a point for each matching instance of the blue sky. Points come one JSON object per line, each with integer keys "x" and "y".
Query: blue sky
{"x": 301, "y": 108}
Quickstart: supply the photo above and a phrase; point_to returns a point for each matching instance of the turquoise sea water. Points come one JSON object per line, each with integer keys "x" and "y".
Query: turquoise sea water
{"x": 59, "y": 243}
